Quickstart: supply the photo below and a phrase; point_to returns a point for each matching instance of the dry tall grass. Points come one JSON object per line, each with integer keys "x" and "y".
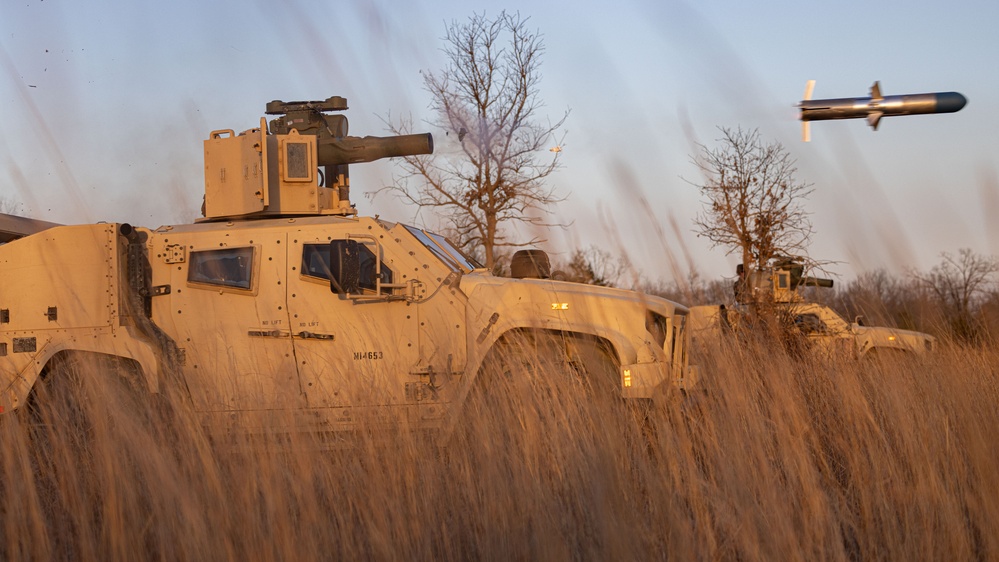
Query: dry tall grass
{"x": 778, "y": 459}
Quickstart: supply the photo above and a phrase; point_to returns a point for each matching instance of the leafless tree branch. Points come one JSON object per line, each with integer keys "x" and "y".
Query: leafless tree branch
{"x": 752, "y": 199}
{"x": 488, "y": 172}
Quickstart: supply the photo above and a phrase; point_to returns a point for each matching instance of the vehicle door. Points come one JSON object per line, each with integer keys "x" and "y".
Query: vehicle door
{"x": 824, "y": 331}
{"x": 443, "y": 334}
{"x": 357, "y": 352}
{"x": 230, "y": 314}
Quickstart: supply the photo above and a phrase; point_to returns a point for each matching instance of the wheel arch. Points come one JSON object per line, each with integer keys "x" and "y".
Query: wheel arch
{"x": 496, "y": 346}
{"x": 572, "y": 337}
{"x": 52, "y": 356}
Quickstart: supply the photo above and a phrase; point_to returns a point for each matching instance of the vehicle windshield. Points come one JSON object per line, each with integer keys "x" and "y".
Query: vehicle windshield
{"x": 839, "y": 316}
{"x": 444, "y": 249}
{"x": 832, "y": 318}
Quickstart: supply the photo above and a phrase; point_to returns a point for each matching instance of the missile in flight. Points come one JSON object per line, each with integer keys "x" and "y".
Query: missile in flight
{"x": 874, "y": 107}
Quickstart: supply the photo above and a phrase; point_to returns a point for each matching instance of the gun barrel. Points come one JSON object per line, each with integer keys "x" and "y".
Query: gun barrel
{"x": 352, "y": 150}
{"x": 816, "y": 282}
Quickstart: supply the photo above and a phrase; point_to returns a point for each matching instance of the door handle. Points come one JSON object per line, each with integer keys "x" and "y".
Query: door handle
{"x": 268, "y": 334}
{"x": 315, "y": 336}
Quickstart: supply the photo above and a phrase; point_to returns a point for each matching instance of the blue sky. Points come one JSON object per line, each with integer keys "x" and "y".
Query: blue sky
{"x": 104, "y": 108}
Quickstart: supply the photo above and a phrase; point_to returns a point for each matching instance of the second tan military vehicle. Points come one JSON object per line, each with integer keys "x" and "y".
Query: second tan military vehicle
{"x": 824, "y": 330}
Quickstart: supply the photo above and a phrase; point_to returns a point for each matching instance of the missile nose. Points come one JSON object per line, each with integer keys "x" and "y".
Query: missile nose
{"x": 949, "y": 102}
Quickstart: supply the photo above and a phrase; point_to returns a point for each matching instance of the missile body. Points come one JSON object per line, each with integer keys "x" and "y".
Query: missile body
{"x": 876, "y": 106}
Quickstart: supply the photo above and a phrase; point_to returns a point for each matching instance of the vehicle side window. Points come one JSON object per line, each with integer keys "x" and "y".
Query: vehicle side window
{"x": 227, "y": 267}
{"x": 316, "y": 260}
{"x": 809, "y": 323}
{"x": 315, "y": 263}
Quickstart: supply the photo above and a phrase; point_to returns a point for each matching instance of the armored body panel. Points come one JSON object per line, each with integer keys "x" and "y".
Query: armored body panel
{"x": 282, "y": 307}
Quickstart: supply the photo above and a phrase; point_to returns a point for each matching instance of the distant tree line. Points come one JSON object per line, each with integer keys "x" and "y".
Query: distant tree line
{"x": 958, "y": 298}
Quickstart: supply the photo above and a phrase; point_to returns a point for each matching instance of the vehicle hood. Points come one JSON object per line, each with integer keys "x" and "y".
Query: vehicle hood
{"x": 894, "y": 337}
{"x": 565, "y": 291}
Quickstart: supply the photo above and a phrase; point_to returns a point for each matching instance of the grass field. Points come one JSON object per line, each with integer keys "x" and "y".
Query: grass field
{"x": 777, "y": 458}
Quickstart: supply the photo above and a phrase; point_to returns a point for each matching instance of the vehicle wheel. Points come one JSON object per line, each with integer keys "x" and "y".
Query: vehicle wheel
{"x": 88, "y": 424}
{"x": 86, "y": 397}
{"x": 542, "y": 362}
{"x": 531, "y": 382}
{"x": 597, "y": 367}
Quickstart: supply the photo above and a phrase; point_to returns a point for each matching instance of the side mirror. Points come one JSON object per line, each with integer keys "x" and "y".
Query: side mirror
{"x": 345, "y": 266}
{"x": 860, "y": 321}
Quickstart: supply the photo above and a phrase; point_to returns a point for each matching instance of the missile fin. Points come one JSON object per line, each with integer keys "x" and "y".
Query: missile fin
{"x": 806, "y": 131}
{"x": 874, "y": 118}
{"x": 876, "y": 92}
{"x": 809, "y": 86}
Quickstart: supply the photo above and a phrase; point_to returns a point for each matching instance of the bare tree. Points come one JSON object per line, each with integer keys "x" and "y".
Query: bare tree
{"x": 695, "y": 290}
{"x": 752, "y": 200}
{"x": 960, "y": 283}
{"x": 882, "y": 298}
{"x": 488, "y": 173}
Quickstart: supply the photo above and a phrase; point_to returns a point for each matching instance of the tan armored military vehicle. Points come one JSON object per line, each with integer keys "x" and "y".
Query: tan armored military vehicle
{"x": 283, "y": 299}
{"x": 824, "y": 329}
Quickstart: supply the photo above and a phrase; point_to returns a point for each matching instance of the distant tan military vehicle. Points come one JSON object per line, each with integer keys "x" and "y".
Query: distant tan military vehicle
{"x": 824, "y": 329}
{"x": 282, "y": 298}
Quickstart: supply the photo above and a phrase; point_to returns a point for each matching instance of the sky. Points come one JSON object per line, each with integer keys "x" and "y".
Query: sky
{"x": 104, "y": 107}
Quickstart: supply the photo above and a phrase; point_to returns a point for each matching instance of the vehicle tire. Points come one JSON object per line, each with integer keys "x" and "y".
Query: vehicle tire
{"x": 545, "y": 361}
{"x": 597, "y": 367}
{"x": 89, "y": 427}
{"x": 535, "y": 380}
{"x": 81, "y": 398}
